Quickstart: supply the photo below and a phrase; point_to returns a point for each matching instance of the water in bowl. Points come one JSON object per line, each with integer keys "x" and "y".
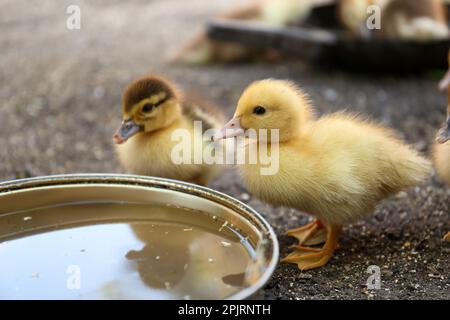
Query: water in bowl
{"x": 119, "y": 251}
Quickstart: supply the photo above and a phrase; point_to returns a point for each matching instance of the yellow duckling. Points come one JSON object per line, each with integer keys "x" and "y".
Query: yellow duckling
{"x": 152, "y": 110}
{"x": 336, "y": 168}
{"x": 441, "y": 148}
{"x": 420, "y": 20}
{"x": 353, "y": 14}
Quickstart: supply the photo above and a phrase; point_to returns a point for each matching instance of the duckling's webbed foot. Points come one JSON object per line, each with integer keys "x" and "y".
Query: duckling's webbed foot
{"x": 447, "y": 237}
{"x": 444, "y": 133}
{"x": 313, "y": 233}
{"x": 310, "y": 258}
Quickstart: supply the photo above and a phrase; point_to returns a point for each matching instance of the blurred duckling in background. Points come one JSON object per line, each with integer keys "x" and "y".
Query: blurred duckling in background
{"x": 201, "y": 50}
{"x": 420, "y": 20}
{"x": 441, "y": 148}
{"x": 152, "y": 109}
{"x": 353, "y": 14}
{"x": 282, "y": 13}
{"x": 336, "y": 168}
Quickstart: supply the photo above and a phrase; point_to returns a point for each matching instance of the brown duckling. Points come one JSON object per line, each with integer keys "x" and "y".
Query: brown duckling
{"x": 152, "y": 109}
{"x": 336, "y": 168}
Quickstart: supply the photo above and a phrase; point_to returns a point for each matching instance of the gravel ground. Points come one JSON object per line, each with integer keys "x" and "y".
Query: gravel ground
{"x": 60, "y": 96}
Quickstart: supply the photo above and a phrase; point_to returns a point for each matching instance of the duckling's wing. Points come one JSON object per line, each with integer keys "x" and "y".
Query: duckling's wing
{"x": 197, "y": 109}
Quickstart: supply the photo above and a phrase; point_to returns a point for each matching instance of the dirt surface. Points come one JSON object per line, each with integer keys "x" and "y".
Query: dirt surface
{"x": 60, "y": 96}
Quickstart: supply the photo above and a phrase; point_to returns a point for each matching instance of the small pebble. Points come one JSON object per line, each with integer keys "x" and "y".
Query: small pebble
{"x": 99, "y": 92}
{"x": 331, "y": 95}
{"x": 304, "y": 276}
{"x": 245, "y": 196}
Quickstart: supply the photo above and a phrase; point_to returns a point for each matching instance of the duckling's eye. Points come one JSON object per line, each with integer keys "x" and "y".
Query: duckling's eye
{"x": 147, "y": 107}
{"x": 259, "y": 110}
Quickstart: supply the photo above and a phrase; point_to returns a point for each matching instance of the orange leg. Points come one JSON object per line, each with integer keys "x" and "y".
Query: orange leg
{"x": 447, "y": 237}
{"x": 311, "y": 258}
{"x": 311, "y": 234}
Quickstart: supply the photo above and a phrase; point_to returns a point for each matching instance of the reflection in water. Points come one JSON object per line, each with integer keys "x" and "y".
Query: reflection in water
{"x": 236, "y": 280}
{"x": 162, "y": 260}
{"x": 127, "y": 251}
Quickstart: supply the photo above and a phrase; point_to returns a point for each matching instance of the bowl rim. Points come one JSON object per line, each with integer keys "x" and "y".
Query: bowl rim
{"x": 157, "y": 182}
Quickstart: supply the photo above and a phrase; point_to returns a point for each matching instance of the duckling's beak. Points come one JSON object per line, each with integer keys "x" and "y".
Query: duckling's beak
{"x": 128, "y": 129}
{"x": 444, "y": 134}
{"x": 232, "y": 129}
{"x": 445, "y": 82}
